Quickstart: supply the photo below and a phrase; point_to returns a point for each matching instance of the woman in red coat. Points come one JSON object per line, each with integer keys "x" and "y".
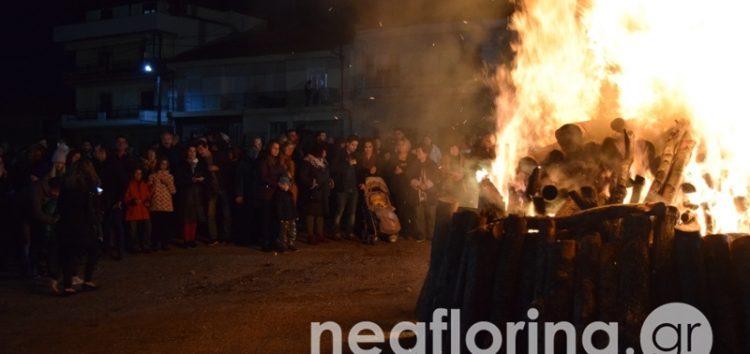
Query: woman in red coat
{"x": 138, "y": 200}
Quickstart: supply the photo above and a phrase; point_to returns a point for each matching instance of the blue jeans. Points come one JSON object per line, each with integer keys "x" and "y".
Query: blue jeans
{"x": 346, "y": 202}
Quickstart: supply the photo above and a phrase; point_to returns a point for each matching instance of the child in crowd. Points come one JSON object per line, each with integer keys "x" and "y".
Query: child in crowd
{"x": 287, "y": 214}
{"x": 138, "y": 201}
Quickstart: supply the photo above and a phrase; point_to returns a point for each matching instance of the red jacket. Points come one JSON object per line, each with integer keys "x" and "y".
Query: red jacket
{"x": 137, "y": 196}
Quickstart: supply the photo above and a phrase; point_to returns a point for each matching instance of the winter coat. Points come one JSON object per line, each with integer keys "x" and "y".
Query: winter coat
{"x": 313, "y": 201}
{"x": 162, "y": 189}
{"x": 137, "y": 197}
{"x": 191, "y": 195}
{"x": 120, "y": 169}
{"x": 424, "y": 171}
{"x": 78, "y": 215}
{"x": 268, "y": 178}
{"x": 344, "y": 174}
{"x": 284, "y": 203}
{"x": 364, "y": 166}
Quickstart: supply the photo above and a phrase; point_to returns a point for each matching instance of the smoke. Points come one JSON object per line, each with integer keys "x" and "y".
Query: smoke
{"x": 428, "y": 66}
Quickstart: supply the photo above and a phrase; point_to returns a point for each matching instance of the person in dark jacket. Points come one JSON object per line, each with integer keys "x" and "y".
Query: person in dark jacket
{"x": 120, "y": 165}
{"x": 314, "y": 180}
{"x": 396, "y": 174}
{"x": 244, "y": 195}
{"x": 113, "y": 232}
{"x": 424, "y": 179}
{"x": 286, "y": 211}
{"x": 344, "y": 171}
{"x": 169, "y": 150}
{"x": 270, "y": 170}
{"x": 190, "y": 180}
{"x": 77, "y": 227}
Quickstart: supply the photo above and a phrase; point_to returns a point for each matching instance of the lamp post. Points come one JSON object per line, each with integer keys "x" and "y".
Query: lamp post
{"x": 151, "y": 68}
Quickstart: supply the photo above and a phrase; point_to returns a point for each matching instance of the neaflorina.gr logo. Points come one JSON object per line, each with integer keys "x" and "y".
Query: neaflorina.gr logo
{"x": 674, "y": 328}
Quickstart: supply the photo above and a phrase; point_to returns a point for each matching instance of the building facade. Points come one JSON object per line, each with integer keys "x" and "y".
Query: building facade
{"x": 119, "y": 77}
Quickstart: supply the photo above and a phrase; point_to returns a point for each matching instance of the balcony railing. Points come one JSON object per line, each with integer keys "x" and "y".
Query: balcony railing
{"x": 129, "y": 113}
{"x": 254, "y": 100}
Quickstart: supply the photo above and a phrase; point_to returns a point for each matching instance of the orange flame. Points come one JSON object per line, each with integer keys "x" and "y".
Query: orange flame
{"x": 651, "y": 61}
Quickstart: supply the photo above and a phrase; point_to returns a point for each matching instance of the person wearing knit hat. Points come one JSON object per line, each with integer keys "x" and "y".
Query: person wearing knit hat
{"x": 58, "y": 162}
{"x": 286, "y": 211}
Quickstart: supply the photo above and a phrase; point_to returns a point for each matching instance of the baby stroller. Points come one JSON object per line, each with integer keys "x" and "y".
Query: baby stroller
{"x": 379, "y": 219}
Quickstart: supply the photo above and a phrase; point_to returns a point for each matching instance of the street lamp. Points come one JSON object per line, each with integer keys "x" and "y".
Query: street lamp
{"x": 148, "y": 68}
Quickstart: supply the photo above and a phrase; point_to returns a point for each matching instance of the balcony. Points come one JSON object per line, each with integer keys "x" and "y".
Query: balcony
{"x": 253, "y": 101}
{"x": 108, "y": 72}
{"x": 118, "y": 116}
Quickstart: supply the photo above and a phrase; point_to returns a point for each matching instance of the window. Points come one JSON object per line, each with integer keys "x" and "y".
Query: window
{"x": 105, "y": 102}
{"x": 106, "y": 14}
{"x": 316, "y": 87}
{"x": 147, "y": 100}
{"x": 105, "y": 60}
{"x": 149, "y": 7}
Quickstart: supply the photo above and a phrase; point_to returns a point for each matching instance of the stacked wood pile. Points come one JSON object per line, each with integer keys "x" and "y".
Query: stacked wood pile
{"x": 612, "y": 263}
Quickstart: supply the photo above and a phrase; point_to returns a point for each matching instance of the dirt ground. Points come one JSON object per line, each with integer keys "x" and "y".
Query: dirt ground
{"x": 223, "y": 299}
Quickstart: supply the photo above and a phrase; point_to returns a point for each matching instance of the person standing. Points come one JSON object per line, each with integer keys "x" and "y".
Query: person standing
{"x": 190, "y": 177}
{"x": 218, "y": 197}
{"x": 346, "y": 187}
{"x": 119, "y": 166}
{"x": 137, "y": 202}
{"x": 290, "y": 166}
{"x": 434, "y": 152}
{"x": 424, "y": 179}
{"x": 286, "y": 211}
{"x": 149, "y": 163}
{"x": 77, "y": 225}
{"x": 162, "y": 209}
{"x": 113, "y": 233}
{"x": 315, "y": 183}
{"x": 270, "y": 171}
{"x": 398, "y": 182}
{"x": 169, "y": 149}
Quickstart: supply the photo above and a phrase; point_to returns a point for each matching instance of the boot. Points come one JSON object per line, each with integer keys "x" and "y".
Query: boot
{"x": 280, "y": 245}
{"x": 291, "y": 238}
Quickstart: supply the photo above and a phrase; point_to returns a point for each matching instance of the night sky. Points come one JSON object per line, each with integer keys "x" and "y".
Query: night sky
{"x": 33, "y": 65}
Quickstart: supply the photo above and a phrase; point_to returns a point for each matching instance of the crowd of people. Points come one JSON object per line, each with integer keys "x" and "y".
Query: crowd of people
{"x": 64, "y": 207}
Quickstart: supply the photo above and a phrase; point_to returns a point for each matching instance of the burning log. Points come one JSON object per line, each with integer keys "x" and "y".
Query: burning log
{"x": 721, "y": 310}
{"x": 490, "y": 199}
{"x": 448, "y": 275}
{"x": 478, "y": 264}
{"x": 690, "y": 272}
{"x": 660, "y": 177}
{"x": 681, "y": 160}
{"x": 585, "y": 302}
{"x": 618, "y": 193}
{"x": 633, "y": 268}
{"x": 662, "y": 253}
{"x": 638, "y": 185}
{"x": 508, "y": 270}
{"x": 588, "y": 217}
{"x": 740, "y": 255}
{"x": 440, "y": 243}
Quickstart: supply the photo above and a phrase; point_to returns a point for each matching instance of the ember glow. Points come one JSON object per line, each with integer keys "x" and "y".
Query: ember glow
{"x": 660, "y": 65}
